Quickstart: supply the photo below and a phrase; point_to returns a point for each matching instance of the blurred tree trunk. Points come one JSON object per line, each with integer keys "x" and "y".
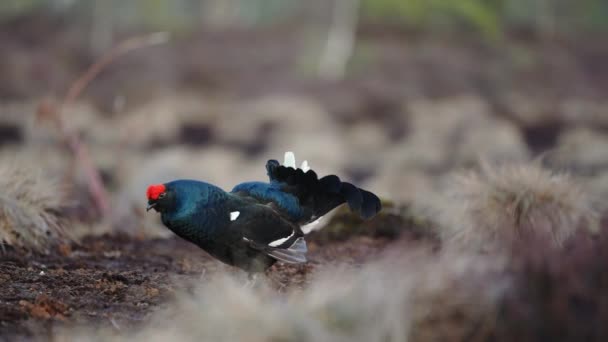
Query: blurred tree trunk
{"x": 341, "y": 38}
{"x": 102, "y": 27}
{"x": 545, "y": 19}
{"x": 220, "y": 14}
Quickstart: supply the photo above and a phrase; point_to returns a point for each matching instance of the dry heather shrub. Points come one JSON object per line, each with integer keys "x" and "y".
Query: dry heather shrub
{"x": 559, "y": 295}
{"x": 30, "y": 207}
{"x": 542, "y": 294}
{"x": 418, "y": 298}
{"x": 498, "y": 205}
{"x": 456, "y": 297}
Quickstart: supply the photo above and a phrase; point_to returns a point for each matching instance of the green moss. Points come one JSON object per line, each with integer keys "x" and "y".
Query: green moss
{"x": 390, "y": 223}
{"x": 481, "y": 16}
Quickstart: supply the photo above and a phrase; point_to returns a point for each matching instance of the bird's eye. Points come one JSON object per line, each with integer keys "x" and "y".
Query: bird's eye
{"x": 162, "y": 195}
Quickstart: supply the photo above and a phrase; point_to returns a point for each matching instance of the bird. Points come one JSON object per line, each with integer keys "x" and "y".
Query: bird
{"x": 257, "y": 223}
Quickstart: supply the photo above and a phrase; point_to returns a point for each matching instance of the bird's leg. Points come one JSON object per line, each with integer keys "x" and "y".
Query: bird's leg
{"x": 277, "y": 282}
{"x": 251, "y": 280}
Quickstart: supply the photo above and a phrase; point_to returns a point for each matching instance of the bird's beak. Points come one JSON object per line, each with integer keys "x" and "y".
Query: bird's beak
{"x": 151, "y": 206}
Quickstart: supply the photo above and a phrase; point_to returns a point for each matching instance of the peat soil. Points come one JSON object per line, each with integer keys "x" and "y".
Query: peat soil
{"x": 119, "y": 280}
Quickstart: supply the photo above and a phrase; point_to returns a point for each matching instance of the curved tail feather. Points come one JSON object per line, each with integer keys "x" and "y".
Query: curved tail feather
{"x": 319, "y": 196}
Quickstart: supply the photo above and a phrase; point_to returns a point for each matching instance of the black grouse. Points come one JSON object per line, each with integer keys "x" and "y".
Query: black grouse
{"x": 257, "y": 223}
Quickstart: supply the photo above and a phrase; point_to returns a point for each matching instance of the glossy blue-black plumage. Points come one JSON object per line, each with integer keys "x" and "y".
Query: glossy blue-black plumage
{"x": 303, "y": 197}
{"x": 198, "y": 209}
{"x": 272, "y": 192}
{"x": 204, "y": 215}
{"x": 257, "y": 223}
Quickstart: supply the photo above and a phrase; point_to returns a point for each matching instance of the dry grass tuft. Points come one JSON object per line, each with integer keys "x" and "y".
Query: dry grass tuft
{"x": 542, "y": 293}
{"x": 498, "y": 205}
{"x": 456, "y": 297}
{"x": 559, "y": 295}
{"x": 30, "y": 209}
{"x": 416, "y": 296}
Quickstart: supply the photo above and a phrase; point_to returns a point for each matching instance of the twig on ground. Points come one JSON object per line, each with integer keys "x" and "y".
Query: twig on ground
{"x": 47, "y": 110}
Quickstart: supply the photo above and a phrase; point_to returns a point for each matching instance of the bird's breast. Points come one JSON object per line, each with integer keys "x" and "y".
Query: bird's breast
{"x": 198, "y": 227}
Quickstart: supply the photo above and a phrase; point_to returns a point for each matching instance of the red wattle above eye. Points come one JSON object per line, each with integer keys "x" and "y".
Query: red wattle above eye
{"x": 154, "y": 191}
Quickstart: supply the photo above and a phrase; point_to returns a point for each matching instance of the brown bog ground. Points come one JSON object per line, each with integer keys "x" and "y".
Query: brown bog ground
{"x": 118, "y": 280}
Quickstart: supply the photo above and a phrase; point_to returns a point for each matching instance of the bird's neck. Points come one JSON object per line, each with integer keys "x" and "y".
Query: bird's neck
{"x": 198, "y": 223}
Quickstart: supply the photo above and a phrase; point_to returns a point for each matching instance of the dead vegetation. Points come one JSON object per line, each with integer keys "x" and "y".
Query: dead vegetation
{"x": 31, "y": 207}
{"x": 558, "y": 295}
{"x": 397, "y": 299}
{"x": 497, "y": 205}
{"x": 409, "y": 293}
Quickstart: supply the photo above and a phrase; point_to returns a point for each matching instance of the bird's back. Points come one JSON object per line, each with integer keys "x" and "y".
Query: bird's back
{"x": 273, "y": 195}
{"x": 302, "y": 197}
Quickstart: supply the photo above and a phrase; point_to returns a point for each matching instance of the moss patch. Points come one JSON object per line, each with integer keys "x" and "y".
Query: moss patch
{"x": 390, "y": 223}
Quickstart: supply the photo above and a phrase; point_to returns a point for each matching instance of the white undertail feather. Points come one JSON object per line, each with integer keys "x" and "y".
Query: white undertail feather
{"x": 295, "y": 254}
{"x": 299, "y": 246}
{"x": 280, "y": 241}
{"x": 305, "y": 166}
{"x": 290, "y": 160}
{"x": 307, "y": 228}
{"x": 234, "y": 215}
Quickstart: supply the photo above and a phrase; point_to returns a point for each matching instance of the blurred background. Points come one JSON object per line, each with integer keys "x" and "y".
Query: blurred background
{"x": 390, "y": 94}
{"x": 105, "y": 97}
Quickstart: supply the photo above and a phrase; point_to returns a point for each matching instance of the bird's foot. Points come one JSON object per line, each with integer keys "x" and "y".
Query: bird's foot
{"x": 251, "y": 281}
{"x": 277, "y": 282}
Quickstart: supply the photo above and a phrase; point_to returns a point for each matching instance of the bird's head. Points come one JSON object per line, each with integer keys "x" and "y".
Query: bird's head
{"x": 160, "y": 198}
{"x": 181, "y": 196}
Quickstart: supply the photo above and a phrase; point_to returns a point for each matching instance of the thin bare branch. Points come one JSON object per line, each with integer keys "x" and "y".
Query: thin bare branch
{"x": 75, "y": 144}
